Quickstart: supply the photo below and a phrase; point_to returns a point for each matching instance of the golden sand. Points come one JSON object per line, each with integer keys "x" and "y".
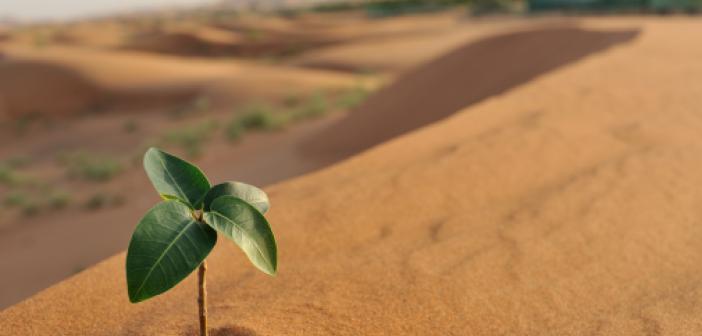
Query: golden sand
{"x": 570, "y": 205}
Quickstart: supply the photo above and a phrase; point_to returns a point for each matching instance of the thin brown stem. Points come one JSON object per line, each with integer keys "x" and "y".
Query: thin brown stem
{"x": 202, "y": 298}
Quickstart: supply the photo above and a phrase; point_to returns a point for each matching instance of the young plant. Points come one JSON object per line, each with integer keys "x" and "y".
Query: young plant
{"x": 175, "y": 236}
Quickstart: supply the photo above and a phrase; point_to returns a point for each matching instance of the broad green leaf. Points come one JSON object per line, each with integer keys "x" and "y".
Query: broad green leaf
{"x": 246, "y": 192}
{"x": 247, "y": 227}
{"x": 167, "y": 245}
{"x": 175, "y": 178}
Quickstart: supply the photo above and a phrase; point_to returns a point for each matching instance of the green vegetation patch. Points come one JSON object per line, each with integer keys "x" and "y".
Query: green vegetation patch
{"x": 90, "y": 166}
{"x": 353, "y": 97}
{"x": 198, "y": 105}
{"x": 58, "y": 200}
{"x": 103, "y": 200}
{"x": 293, "y": 108}
{"x": 191, "y": 137}
{"x": 384, "y": 8}
{"x": 255, "y": 117}
{"x": 23, "y": 201}
{"x": 10, "y": 177}
{"x": 130, "y": 126}
{"x": 314, "y": 107}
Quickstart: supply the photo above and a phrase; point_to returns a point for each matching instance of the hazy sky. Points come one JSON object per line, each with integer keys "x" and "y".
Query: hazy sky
{"x": 66, "y": 9}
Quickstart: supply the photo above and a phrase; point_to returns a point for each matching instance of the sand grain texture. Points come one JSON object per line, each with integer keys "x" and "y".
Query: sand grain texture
{"x": 567, "y": 206}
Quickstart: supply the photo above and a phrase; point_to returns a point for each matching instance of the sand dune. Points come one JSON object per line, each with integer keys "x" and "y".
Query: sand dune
{"x": 463, "y": 77}
{"x": 403, "y": 46}
{"x": 59, "y": 91}
{"x": 89, "y": 79}
{"x": 336, "y": 41}
{"x": 92, "y": 34}
{"x": 185, "y": 43}
{"x": 233, "y": 40}
{"x": 54, "y": 90}
{"x": 565, "y": 206}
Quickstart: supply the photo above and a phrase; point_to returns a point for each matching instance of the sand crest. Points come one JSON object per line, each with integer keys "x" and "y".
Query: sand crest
{"x": 460, "y": 78}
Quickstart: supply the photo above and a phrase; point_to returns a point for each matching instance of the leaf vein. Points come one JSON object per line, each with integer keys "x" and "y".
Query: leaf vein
{"x": 158, "y": 261}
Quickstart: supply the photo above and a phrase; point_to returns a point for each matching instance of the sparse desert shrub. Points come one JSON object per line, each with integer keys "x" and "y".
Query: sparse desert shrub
{"x": 337, "y": 6}
{"x": 255, "y": 117}
{"x": 175, "y": 236}
{"x": 384, "y": 8}
{"x": 7, "y": 175}
{"x": 130, "y": 126}
{"x": 483, "y": 7}
{"x": 58, "y": 200}
{"x": 198, "y": 105}
{"x": 265, "y": 117}
{"x": 15, "y": 199}
{"x": 24, "y": 122}
{"x": 352, "y": 98}
{"x": 23, "y": 201}
{"x": 101, "y": 200}
{"x": 90, "y": 166}
{"x": 201, "y": 104}
{"x": 234, "y": 130}
{"x": 254, "y": 35}
{"x": 291, "y": 100}
{"x": 17, "y": 161}
{"x": 289, "y": 13}
{"x": 261, "y": 118}
{"x": 95, "y": 202}
{"x": 30, "y": 208}
{"x": 191, "y": 137}
{"x": 315, "y": 106}
{"x": 10, "y": 177}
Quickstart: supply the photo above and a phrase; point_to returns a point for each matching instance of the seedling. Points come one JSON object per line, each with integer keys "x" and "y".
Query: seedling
{"x": 175, "y": 236}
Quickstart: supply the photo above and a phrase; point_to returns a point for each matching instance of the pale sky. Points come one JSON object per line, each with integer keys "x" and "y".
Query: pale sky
{"x": 33, "y": 10}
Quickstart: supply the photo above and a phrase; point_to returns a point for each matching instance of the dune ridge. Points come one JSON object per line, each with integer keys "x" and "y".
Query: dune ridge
{"x": 75, "y": 81}
{"x": 460, "y": 78}
{"x": 568, "y": 206}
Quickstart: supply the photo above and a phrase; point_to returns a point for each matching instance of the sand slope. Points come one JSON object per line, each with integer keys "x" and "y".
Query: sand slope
{"x": 462, "y": 77}
{"x": 76, "y": 80}
{"x": 404, "y": 44}
{"x": 568, "y": 206}
{"x": 145, "y": 90}
{"x": 53, "y": 88}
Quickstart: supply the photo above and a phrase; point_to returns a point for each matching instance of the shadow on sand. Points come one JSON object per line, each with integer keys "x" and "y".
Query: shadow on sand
{"x": 461, "y": 78}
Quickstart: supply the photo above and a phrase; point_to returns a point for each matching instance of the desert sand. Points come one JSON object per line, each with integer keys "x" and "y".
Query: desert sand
{"x": 460, "y": 78}
{"x": 566, "y": 205}
{"x": 156, "y": 93}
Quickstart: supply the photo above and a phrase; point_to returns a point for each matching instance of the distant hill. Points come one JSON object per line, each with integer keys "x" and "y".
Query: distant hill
{"x": 7, "y": 22}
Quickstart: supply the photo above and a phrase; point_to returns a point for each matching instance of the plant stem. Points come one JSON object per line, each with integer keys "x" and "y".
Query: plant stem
{"x": 202, "y": 298}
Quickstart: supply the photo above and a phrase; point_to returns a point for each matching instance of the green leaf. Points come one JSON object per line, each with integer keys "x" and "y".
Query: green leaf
{"x": 167, "y": 245}
{"x": 252, "y": 195}
{"x": 247, "y": 227}
{"x": 175, "y": 178}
